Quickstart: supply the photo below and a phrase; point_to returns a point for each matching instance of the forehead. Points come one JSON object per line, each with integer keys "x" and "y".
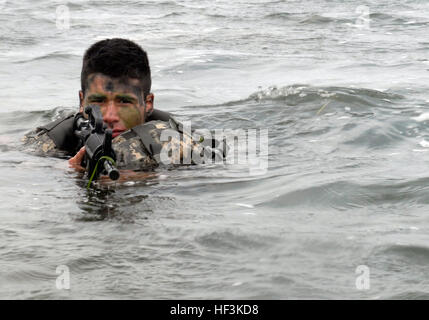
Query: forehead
{"x": 98, "y": 82}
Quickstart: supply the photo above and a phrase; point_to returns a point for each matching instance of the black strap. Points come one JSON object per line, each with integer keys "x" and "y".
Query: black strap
{"x": 159, "y": 115}
{"x": 53, "y": 124}
{"x": 61, "y": 132}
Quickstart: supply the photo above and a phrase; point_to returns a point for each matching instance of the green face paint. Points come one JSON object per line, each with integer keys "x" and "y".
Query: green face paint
{"x": 130, "y": 116}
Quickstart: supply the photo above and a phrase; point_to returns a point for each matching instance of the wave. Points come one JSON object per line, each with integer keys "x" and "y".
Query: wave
{"x": 375, "y": 17}
{"x": 343, "y": 194}
{"x": 55, "y": 56}
{"x": 168, "y": 15}
{"x": 233, "y": 241}
{"x": 303, "y": 93}
{"x": 279, "y": 15}
{"x": 321, "y": 20}
{"x": 386, "y": 17}
{"x": 406, "y": 252}
{"x": 349, "y": 118}
{"x": 21, "y": 40}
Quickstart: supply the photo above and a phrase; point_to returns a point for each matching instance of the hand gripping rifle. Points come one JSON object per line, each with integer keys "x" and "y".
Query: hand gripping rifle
{"x": 97, "y": 139}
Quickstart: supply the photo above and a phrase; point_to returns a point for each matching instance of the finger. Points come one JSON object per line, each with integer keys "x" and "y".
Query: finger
{"x": 77, "y": 159}
{"x": 79, "y": 156}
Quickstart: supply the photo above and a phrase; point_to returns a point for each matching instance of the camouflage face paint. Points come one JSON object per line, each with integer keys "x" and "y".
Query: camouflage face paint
{"x": 126, "y": 94}
{"x": 133, "y": 115}
{"x": 139, "y": 93}
{"x": 109, "y": 86}
{"x": 89, "y": 80}
{"x": 134, "y": 86}
{"x": 130, "y": 116}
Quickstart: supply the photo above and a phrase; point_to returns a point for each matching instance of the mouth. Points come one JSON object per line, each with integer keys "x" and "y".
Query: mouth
{"x": 116, "y": 133}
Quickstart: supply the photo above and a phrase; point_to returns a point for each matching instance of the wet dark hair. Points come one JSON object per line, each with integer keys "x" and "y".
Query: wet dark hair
{"x": 117, "y": 58}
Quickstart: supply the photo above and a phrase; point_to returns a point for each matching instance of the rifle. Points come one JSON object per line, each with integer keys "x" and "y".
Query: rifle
{"x": 93, "y": 134}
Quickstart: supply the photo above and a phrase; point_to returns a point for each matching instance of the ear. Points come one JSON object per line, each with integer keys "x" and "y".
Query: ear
{"x": 81, "y": 99}
{"x": 149, "y": 103}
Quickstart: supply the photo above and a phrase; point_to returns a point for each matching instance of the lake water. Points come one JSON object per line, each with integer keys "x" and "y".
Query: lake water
{"x": 340, "y": 212}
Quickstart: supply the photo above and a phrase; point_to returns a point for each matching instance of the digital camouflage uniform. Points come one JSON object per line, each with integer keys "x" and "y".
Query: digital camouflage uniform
{"x": 131, "y": 153}
{"x": 38, "y": 142}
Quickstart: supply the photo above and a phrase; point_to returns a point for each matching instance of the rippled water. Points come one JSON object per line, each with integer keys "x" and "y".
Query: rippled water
{"x": 347, "y": 109}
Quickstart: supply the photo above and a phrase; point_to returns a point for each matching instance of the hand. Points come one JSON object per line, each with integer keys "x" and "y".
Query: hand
{"x": 126, "y": 175}
{"x": 76, "y": 161}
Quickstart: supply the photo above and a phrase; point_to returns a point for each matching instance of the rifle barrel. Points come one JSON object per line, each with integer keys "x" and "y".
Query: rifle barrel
{"x": 111, "y": 171}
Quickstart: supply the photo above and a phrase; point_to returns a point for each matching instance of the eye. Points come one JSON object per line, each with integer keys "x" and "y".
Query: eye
{"x": 99, "y": 100}
{"x": 125, "y": 100}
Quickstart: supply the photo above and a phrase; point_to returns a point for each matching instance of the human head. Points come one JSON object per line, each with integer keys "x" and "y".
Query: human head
{"x": 116, "y": 75}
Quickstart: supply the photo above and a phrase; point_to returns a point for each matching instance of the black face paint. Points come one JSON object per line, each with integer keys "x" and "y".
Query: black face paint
{"x": 139, "y": 93}
{"x": 109, "y": 86}
{"x": 89, "y": 80}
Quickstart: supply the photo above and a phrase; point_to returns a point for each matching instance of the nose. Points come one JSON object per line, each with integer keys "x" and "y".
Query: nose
{"x": 110, "y": 115}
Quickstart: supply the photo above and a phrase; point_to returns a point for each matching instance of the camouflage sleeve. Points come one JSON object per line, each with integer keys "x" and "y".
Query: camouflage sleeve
{"x": 38, "y": 142}
{"x": 131, "y": 154}
{"x": 188, "y": 148}
{"x": 176, "y": 149}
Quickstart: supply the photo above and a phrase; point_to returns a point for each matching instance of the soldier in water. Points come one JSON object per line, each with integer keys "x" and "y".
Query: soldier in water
{"x": 116, "y": 76}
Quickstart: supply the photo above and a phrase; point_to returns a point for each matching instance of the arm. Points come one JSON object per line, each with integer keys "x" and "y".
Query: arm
{"x": 38, "y": 142}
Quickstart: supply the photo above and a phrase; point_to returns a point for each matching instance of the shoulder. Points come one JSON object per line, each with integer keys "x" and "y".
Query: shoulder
{"x": 131, "y": 152}
{"x": 141, "y": 147}
{"x": 38, "y": 141}
{"x": 54, "y": 139}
